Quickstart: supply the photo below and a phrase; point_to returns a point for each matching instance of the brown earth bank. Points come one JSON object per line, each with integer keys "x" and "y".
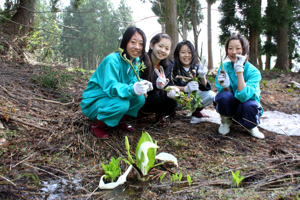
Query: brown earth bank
{"x": 48, "y": 150}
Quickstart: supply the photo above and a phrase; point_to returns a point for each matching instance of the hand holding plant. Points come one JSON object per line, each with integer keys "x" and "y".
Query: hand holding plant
{"x": 181, "y": 98}
{"x": 196, "y": 99}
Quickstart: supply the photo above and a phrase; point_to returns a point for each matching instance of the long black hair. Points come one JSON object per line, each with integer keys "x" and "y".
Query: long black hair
{"x": 127, "y": 36}
{"x": 177, "y": 51}
{"x": 149, "y": 73}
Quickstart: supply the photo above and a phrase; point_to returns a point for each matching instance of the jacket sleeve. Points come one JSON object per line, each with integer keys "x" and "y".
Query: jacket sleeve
{"x": 252, "y": 78}
{"x": 109, "y": 77}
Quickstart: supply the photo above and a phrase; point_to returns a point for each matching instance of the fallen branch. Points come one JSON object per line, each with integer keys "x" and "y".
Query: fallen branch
{"x": 7, "y": 180}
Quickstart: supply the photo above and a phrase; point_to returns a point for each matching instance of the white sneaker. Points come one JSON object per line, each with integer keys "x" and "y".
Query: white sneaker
{"x": 256, "y": 133}
{"x": 225, "y": 125}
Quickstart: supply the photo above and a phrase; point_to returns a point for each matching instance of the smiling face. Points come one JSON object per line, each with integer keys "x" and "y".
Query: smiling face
{"x": 135, "y": 46}
{"x": 234, "y": 47}
{"x": 185, "y": 55}
{"x": 161, "y": 49}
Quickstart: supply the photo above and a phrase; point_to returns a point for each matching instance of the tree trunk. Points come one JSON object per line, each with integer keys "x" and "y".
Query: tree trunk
{"x": 171, "y": 24}
{"x": 80, "y": 61}
{"x": 209, "y": 40}
{"x": 268, "y": 55}
{"x": 184, "y": 30}
{"x": 24, "y": 18}
{"x": 194, "y": 24}
{"x": 282, "y": 61}
{"x": 254, "y": 34}
{"x": 93, "y": 57}
{"x": 260, "y": 63}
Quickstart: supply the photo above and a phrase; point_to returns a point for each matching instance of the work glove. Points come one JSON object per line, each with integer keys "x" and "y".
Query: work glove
{"x": 172, "y": 93}
{"x": 223, "y": 79}
{"x": 202, "y": 71}
{"x": 191, "y": 86}
{"x": 239, "y": 63}
{"x": 142, "y": 87}
{"x": 161, "y": 81}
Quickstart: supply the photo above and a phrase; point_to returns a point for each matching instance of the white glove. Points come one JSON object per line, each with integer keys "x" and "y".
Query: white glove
{"x": 202, "y": 71}
{"x": 161, "y": 82}
{"x": 191, "y": 86}
{"x": 239, "y": 63}
{"x": 142, "y": 87}
{"x": 223, "y": 79}
{"x": 172, "y": 93}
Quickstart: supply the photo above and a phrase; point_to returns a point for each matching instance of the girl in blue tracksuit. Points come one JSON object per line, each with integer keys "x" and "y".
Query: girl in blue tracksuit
{"x": 114, "y": 93}
{"x": 238, "y": 97}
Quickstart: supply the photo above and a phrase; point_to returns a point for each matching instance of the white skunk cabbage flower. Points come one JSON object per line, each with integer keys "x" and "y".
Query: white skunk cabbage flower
{"x": 167, "y": 157}
{"x": 144, "y": 148}
{"x": 120, "y": 181}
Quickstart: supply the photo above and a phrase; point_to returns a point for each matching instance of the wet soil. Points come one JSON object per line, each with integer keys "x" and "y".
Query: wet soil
{"x": 50, "y": 152}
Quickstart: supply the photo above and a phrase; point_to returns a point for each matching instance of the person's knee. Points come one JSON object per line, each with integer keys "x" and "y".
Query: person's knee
{"x": 225, "y": 97}
{"x": 208, "y": 99}
{"x": 139, "y": 102}
{"x": 121, "y": 106}
{"x": 250, "y": 106}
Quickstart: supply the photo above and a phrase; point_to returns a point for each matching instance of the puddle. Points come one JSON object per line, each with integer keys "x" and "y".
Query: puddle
{"x": 56, "y": 189}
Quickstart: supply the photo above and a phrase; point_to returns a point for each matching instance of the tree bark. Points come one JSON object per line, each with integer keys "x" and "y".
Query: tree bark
{"x": 184, "y": 30}
{"x": 209, "y": 40}
{"x": 282, "y": 61}
{"x": 195, "y": 25}
{"x": 268, "y": 56}
{"x": 171, "y": 24}
{"x": 24, "y": 18}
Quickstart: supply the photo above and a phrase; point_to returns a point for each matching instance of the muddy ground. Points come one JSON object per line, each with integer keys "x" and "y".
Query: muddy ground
{"x": 48, "y": 150}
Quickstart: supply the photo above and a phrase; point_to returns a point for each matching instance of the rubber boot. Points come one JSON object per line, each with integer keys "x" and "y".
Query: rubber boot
{"x": 199, "y": 114}
{"x": 123, "y": 125}
{"x": 161, "y": 120}
{"x": 225, "y": 125}
{"x": 98, "y": 130}
{"x": 141, "y": 119}
{"x": 256, "y": 133}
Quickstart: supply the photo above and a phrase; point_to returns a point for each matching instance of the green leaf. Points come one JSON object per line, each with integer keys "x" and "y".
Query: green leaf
{"x": 189, "y": 179}
{"x": 162, "y": 176}
{"x": 180, "y": 177}
{"x": 128, "y": 150}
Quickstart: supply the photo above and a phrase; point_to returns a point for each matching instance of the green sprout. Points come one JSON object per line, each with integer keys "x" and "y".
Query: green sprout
{"x": 189, "y": 179}
{"x": 176, "y": 177}
{"x": 112, "y": 170}
{"x": 236, "y": 179}
{"x": 162, "y": 176}
{"x": 265, "y": 83}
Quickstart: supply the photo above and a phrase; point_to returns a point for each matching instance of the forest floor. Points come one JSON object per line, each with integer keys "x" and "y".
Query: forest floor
{"x": 48, "y": 150}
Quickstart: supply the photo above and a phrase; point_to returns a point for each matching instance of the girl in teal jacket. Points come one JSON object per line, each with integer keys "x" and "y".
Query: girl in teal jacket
{"x": 114, "y": 93}
{"x": 238, "y": 89}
